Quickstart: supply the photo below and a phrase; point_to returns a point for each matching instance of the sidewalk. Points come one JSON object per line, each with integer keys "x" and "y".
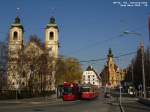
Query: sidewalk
{"x": 30, "y": 100}
{"x": 115, "y": 100}
{"x": 115, "y": 106}
{"x": 144, "y": 101}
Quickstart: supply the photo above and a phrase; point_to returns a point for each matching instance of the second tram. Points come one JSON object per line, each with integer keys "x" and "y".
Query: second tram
{"x": 89, "y": 92}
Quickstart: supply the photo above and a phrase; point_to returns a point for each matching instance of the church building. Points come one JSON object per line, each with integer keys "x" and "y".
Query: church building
{"x": 111, "y": 75}
{"x": 31, "y": 65}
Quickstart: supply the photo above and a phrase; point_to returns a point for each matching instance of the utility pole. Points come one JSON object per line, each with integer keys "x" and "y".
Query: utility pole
{"x": 143, "y": 71}
{"x": 120, "y": 101}
{"x": 132, "y": 74}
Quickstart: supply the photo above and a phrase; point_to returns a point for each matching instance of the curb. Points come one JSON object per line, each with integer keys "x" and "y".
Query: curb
{"x": 121, "y": 108}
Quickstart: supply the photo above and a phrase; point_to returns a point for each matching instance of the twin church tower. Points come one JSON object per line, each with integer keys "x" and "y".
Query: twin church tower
{"x": 16, "y": 40}
{"x": 20, "y": 77}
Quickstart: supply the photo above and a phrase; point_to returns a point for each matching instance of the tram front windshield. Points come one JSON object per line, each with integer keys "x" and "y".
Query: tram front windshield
{"x": 67, "y": 90}
{"x": 85, "y": 89}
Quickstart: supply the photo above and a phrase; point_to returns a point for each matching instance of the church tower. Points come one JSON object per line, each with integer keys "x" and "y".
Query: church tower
{"x": 51, "y": 38}
{"x": 15, "y": 46}
{"x": 110, "y": 58}
{"x": 51, "y": 45}
{"x": 111, "y": 69}
{"x": 16, "y": 35}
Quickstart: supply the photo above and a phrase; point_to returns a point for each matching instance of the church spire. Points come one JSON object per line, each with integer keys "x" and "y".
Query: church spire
{"x": 52, "y": 20}
{"x": 52, "y": 23}
{"x": 17, "y": 23}
{"x": 17, "y": 20}
{"x": 110, "y": 53}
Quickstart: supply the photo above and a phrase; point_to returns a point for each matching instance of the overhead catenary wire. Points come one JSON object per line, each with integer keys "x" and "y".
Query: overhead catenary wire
{"x": 99, "y": 43}
{"x": 103, "y": 59}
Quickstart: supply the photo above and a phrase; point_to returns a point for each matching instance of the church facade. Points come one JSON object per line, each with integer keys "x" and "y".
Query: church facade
{"x": 31, "y": 66}
{"x": 111, "y": 74}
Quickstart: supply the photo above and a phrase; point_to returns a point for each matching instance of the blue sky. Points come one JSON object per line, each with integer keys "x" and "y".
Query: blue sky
{"x": 85, "y": 26}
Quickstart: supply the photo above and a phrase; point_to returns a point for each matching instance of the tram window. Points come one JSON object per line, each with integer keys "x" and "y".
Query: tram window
{"x": 67, "y": 90}
{"x": 85, "y": 89}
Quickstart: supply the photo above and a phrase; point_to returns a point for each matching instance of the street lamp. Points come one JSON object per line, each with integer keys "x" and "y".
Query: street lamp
{"x": 142, "y": 53}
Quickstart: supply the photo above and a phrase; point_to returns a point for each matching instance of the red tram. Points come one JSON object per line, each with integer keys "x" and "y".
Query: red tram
{"x": 89, "y": 92}
{"x": 71, "y": 91}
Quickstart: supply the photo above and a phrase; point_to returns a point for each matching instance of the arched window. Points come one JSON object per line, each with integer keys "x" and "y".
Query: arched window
{"x": 23, "y": 83}
{"x": 15, "y": 36}
{"x": 51, "y": 35}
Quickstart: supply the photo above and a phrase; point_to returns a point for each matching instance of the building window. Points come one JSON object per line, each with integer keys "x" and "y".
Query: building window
{"x": 50, "y": 49}
{"x": 23, "y": 74}
{"x": 15, "y": 36}
{"x": 23, "y": 83}
{"x": 51, "y": 35}
{"x": 88, "y": 76}
{"x": 93, "y": 82}
{"x": 84, "y": 77}
{"x": 13, "y": 74}
{"x": 14, "y": 67}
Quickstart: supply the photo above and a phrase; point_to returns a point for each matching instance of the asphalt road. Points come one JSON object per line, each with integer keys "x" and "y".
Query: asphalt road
{"x": 56, "y": 105}
{"x": 99, "y": 104}
{"x": 132, "y": 105}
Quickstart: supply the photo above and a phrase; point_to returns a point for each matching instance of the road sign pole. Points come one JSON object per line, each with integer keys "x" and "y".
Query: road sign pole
{"x": 120, "y": 94}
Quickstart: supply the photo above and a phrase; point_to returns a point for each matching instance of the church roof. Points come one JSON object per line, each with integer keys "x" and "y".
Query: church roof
{"x": 110, "y": 53}
{"x": 17, "y": 20}
{"x": 90, "y": 68}
{"x": 52, "y": 20}
{"x": 17, "y": 23}
{"x": 37, "y": 41}
{"x": 33, "y": 46}
{"x": 36, "y": 44}
{"x": 52, "y": 23}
